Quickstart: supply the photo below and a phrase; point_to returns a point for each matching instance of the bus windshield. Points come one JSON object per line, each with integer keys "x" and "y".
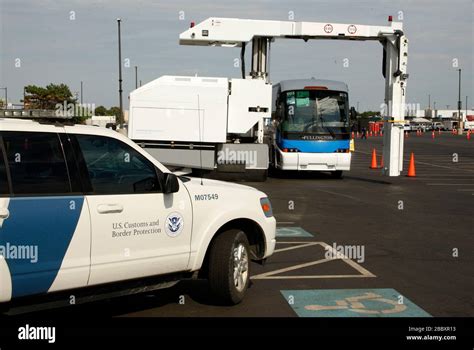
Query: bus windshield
{"x": 314, "y": 111}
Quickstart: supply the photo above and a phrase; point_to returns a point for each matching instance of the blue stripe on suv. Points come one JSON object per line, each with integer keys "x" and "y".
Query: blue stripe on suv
{"x": 47, "y": 223}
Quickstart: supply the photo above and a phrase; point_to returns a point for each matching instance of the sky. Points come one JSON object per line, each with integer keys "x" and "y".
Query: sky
{"x": 69, "y": 41}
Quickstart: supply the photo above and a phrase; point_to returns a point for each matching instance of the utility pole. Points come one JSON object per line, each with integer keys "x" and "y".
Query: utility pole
{"x": 466, "y": 106}
{"x": 81, "y": 93}
{"x": 429, "y": 101}
{"x": 120, "y": 121}
{"x": 136, "y": 77}
{"x": 460, "y": 126}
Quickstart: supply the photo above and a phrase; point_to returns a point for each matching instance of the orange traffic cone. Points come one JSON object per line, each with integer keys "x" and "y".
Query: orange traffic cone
{"x": 411, "y": 167}
{"x": 381, "y": 162}
{"x": 433, "y": 135}
{"x": 373, "y": 164}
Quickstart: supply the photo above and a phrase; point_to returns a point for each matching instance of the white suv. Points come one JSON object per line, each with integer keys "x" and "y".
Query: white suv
{"x": 86, "y": 206}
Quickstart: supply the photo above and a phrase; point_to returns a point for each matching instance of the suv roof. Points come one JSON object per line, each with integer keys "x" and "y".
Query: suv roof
{"x": 20, "y": 124}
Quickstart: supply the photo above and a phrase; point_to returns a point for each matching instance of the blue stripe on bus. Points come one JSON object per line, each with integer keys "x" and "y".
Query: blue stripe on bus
{"x": 47, "y": 223}
{"x": 314, "y": 146}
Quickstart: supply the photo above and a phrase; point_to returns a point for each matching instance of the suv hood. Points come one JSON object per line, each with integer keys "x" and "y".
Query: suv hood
{"x": 195, "y": 183}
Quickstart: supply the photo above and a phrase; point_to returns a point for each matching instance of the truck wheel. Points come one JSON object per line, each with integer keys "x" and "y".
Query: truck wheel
{"x": 229, "y": 263}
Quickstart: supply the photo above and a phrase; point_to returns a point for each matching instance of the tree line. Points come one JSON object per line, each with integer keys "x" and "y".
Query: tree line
{"x": 53, "y": 95}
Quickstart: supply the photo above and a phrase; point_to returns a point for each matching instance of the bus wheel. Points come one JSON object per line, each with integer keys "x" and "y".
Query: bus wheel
{"x": 336, "y": 174}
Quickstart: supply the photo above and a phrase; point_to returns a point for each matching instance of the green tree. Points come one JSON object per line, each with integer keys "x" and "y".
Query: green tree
{"x": 114, "y": 111}
{"x": 101, "y": 110}
{"x": 37, "y": 97}
{"x": 368, "y": 114}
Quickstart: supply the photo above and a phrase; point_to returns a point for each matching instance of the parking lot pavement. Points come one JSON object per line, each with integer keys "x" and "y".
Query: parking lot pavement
{"x": 412, "y": 240}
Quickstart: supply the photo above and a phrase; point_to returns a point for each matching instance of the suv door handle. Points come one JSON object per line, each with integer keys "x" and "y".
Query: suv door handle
{"x": 4, "y": 213}
{"x": 109, "y": 208}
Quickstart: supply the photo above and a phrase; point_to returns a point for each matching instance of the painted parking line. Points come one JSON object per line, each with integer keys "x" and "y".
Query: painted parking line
{"x": 292, "y": 232}
{"x": 277, "y": 274}
{"x": 384, "y": 302}
{"x": 440, "y": 184}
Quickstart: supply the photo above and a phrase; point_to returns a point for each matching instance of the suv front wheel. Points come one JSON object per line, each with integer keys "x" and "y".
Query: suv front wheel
{"x": 229, "y": 266}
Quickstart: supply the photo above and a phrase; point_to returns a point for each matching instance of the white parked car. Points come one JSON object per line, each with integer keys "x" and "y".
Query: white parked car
{"x": 86, "y": 206}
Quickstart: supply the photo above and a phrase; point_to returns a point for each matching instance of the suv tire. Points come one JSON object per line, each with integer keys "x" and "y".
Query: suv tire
{"x": 229, "y": 266}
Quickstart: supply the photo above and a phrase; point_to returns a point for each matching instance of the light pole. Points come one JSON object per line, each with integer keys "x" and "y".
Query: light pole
{"x": 120, "y": 121}
{"x": 136, "y": 77}
{"x": 6, "y": 96}
{"x": 460, "y": 126}
{"x": 429, "y": 101}
{"x": 81, "y": 93}
{"x": 466, "y": 106}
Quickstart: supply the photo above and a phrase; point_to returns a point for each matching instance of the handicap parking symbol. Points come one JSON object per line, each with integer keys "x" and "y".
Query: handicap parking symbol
{"x": 292, "y": 232}
{"x": 352, "y": 303}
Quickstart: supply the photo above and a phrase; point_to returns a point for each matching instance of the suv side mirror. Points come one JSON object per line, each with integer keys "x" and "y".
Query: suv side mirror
{"x": 170, "y": 183}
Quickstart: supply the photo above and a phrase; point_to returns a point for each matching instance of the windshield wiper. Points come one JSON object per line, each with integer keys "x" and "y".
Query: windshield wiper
{"x": 327, "y": 128}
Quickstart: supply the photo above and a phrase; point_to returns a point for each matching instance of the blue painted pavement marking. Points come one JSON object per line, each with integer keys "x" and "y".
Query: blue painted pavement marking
{"x": 385, "y": 302}
{"x": 292, "y": 232}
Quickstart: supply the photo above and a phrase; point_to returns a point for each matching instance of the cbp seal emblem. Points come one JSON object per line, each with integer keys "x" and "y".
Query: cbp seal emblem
{"x": 174, "y": 224}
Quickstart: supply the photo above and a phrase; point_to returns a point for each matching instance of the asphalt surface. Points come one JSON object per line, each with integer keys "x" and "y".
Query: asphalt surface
{"x": 417, "y": 235}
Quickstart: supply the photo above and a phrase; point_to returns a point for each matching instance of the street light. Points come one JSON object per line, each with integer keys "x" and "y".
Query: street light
{"x": 120, "y": 121}
{"x": 81, "y": 94}
{"x": 6, "y": 96}
{"x": 460, "y": 126}
{"x": 136, "y": 77}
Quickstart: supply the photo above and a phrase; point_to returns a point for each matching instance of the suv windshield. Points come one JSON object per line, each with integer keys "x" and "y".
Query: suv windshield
{"x": 314, "y": 111}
